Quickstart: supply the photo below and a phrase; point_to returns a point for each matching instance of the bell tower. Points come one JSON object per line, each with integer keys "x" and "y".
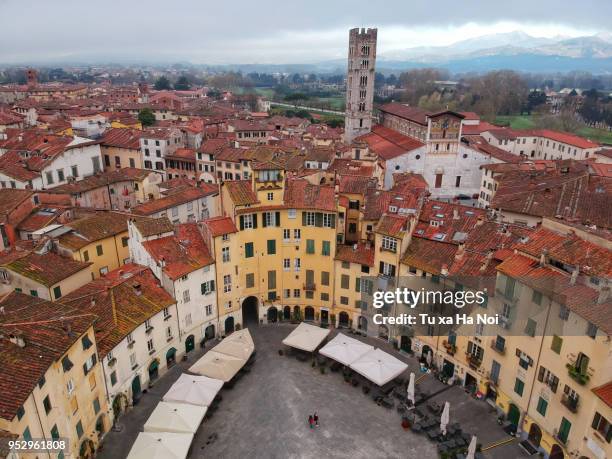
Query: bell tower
{"x": 360, "y": 83}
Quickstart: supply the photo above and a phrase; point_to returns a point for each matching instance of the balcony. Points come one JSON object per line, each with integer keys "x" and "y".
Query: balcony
{"x": 576, "y": 375}
{"x": 310, "y": 286}
{"x": 450, "y": 347}
{"x": 570, "y": 403}
{"x": 473, "y": 361}
{"x": 496, "y": 348}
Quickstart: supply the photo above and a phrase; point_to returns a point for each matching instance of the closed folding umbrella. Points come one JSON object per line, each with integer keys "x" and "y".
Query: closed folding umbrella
{"x": 194, "y": 389}
{"x": 428, "y": 359}
{"x": 444, "y": 419}
{"x": 239, "y": 344}
{"x": 410, "y": 391}
{"x": 471, "y": 452}
{"x": 217, "y": 365}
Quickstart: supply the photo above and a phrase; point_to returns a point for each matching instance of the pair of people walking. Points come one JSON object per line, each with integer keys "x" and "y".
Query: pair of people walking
{"x": 313, "y": 420}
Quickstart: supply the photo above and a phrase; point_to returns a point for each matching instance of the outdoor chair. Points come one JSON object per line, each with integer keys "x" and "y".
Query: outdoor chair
{"x": 335, "y": 367}
{"x": 387, "y": 402}
{"x": 365, "y": 389}
{"x": 355, "y": 382}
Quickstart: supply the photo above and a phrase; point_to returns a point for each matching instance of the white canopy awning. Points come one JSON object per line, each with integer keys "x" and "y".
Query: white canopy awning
{"x": 161, "y": 445}
{"x": 239, "y": 344}
{"x": 379, "y": 367}
{"x": 345, "y": 349}
{"x": 306, "y": 337}
{"x": 194, "y": 389}
{"x": 217, "y": 365}
{"x": 175, "y": 417}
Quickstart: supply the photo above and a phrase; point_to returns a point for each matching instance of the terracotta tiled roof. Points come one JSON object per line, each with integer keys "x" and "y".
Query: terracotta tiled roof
{"x": 356, "y": 184}
{"x": 184, "y": 154}
{"x": 122, "y": 300}
{"x": 220, "y": 225}
{"x": 122, "y": 138}
{"x": 211, "y": 146}
{"x": 406, "y": 182}
{"x": 47, "y": 269}
{"x": 404, "y": 111}
{"x": 392, "y": 225}
{"x": 389, "y": 144}
{"x": 93, "y": 228}
{"x": 378, "y": 202}
{"x": 175, "y": 199}
{"x": 604, "y": 393}
{"x": 241, "y": 192}
{"x": 350, "y": 167}
{"x": 147, "y": 226}
{"x": 450, "y": 220}
{"x": 429, "y": 256}
{"x": 39, "y": 219}
{"x": 361, "y": 253}
{"x": 102, "y": 179}
{"x": 48, "y": 330}
{"x": 182, "y": 253}
{"x": 300, "y": 194}
{"x": 10, "y": 198}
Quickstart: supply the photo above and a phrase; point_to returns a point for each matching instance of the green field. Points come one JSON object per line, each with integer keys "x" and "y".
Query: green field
{"x": 528, "y": 122}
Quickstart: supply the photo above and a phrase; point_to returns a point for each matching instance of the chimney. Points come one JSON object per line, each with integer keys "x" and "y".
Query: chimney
{"x": 137, "y": 289}
{"x": 444, "y": 270}
{"x": 479, "y": 220}
{"x": 575, "y": 273}
{"x": 93, "y": 301}
{"x": 455, "y": 214}
{"x": 354, "y": 247}
{"x": 460, "y": 251}
{"x": 604, "y": 294}
{"x": 18, "y": 340}
{"x": 543, "y": 257}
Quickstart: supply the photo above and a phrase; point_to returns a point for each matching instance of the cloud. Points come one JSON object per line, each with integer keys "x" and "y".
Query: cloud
{"x": 267, "y": 31}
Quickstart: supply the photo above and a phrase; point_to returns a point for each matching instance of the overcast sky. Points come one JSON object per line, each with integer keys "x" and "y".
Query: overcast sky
{"x": 264, "y": 31}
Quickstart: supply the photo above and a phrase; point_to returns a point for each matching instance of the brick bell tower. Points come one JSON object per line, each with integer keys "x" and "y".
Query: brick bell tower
{"x": 360, "y": 83}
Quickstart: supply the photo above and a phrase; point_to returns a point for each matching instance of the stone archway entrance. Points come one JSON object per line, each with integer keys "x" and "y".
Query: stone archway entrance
{"x": 171, "y": 357}
{"x": 100, "y": 425}
{"x": 250, "y": 311}
{"x": 120, "y": 403}
{"x": 136, "y": 389}
{"x": 535, "y": 435}
{"x": 343, "y": 319}
{"x": 383, "y": 332}
{"x": 405, "y": 343}
{"x": 190, "y": 343}
{"x": 287, "y": 313}
{"x": 154, "y": 370}
{"x": 556, "y": 452}
{"x": 229, "y": 325}
{"x": 309, "y": 313}
{"x": 87, "y": 449}
{"x": 363, "y": 324}
{"x": 272, "y": 314}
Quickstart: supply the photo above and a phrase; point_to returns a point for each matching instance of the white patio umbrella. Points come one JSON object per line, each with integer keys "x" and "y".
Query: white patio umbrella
{"x": 217, "y": 365}
{"x": 194, "y": 389}
{"x": 306, "y": 337}
{"x": 471, "y": 452}
{"x": 175, "y": 417}
{"x": 428, "y": 358}
{"x": 345, "y": 349}
{"x": 444, "y": 419}
{"x": 379, "y": 367}
{"x": 239, "y": 344}
{"x": 161, "y": 445}
{"x": 410, "y": 394}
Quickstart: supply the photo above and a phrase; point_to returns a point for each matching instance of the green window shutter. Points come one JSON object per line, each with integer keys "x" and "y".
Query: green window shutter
{"x": 319, "y": 219}
{"x": 303, "y": 218}
{"x": 519, "y": 386}
{"x": 542, "y": 406}
{"x": 271, "y": 246}
{"x": 248, "y": 250}
{"x": 310, "y": 246}
{"x": 557, "y": 342}
{"x": 333, "y": 221}
{"x": 277, "y": 219}
{"x": 271, "y": 280}
{"x": 326, "y": 248}
{"x": 564, "y": 430}
{"x": 344, "y": 281}
{"x": 358, "y": 284}
{"x": 263, "y": 220}
{"x": 241, "y": 222}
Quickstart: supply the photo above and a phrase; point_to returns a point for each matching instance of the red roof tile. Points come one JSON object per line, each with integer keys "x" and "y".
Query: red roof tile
{"x": 220, "y": 225}
{"x": 361, "y": 253}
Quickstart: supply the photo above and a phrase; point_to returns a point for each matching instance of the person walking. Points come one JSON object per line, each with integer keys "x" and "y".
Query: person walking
{"x": 311, "y": 421}
{"x": 316, "y": 419}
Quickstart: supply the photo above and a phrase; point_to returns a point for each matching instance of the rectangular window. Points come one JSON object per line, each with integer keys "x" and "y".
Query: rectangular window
{"x": 564, "y": 430}
{"x": 250, "y": 280}
{"x": 297, "y": 234}
{"x": 310, "y": 246}
{"x": 186, "y": 297}
{"x": 519, "y": 386}
{"x": 296, "y": 293}
{"x": 344, "y": 281}
{"x": 79, "y": 429}
{"x": 542, "y": 406}
{"x": 248, "y": 250}
{"x": 326, "y": 248}
{"x": 601, "y": 425}
{"x": 99, "y": 250}
{"x": 207, "y": 287}
{"x": 556, "y": 344}
{"x": 536, "y": 297}
{"x": 47, "y": 404}
{"x": 286, "y": 235}
{"x": 227, "y": 283}
{"x": 271, "y": 246}
{"x": 291, "y": 213}
{"x": 297, "y": 264}
{"x": 530, "y": 328}
{"x": 57, "y": 292}
{"x": 286, "y": 264}
{"x": 271, "y": 280}
{"x": 310, "y": 219}
{"x": 225, "y": 254}
{"x": 389, "y": 243}
{"x": 208, "y": 309}
{"x": 150, "y": 345}
{"x": 324, "y": 278}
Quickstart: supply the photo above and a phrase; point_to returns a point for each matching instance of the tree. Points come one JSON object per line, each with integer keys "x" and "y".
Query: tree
{"x": 146, "y": 117}
{"x": 162, "y": 83}
{"x": 182, "y": 84}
